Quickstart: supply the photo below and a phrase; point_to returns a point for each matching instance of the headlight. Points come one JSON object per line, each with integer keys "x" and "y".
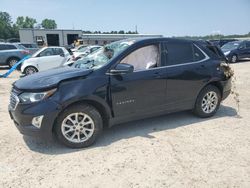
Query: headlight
{"x": 226, "y": 53}
{"x": 35, "y": 97}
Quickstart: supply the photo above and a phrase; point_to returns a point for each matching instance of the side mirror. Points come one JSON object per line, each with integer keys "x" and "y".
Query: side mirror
{"x": 122, "y": 68}
{"x": 62, "y": 55}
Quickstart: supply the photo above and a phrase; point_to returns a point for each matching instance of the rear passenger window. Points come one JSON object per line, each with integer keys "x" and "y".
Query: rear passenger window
{"x": 198, "y": 55}
{"x": 179, "y": 52}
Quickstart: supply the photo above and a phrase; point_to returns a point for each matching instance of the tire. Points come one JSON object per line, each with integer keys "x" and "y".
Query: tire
{"x": 234, "y": 58}
{"x": 12, "y": 61}
{"x": 74, "y": 134}
{"x": 207, "y": 102}
{"x": 30, "y": 70}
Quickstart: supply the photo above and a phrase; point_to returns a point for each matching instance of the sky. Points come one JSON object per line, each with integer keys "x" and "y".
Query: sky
{"x": 166, "y": 17}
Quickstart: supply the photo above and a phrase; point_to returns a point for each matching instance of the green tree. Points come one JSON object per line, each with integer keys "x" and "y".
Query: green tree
{"x": 25, "y": 22}
{"x": 49, "y": 24}
{"x": 5, "y": 25}
{"x": 121, "y": 32}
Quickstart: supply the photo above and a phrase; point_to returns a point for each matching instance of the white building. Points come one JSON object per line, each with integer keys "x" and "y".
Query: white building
{"x": 58, "y": 37}
{"x": 50, "y": 37}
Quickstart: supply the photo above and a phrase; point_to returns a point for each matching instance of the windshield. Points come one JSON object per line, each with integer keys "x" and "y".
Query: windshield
{"x": 230, "y": 46}
{"x": 83, "y": 49}
{"x": 103, "y": 55}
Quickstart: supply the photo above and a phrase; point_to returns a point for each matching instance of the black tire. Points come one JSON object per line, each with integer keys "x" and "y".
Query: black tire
{"x": 79, "y": 108}
{"x": 12, "y": 61}
{"x": 234, "y": 58}
{"x": 198, "y": 110}
{"x": 27, "y": 70}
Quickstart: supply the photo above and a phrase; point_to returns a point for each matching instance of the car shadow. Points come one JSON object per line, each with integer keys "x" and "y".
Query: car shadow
{"x": 143, "y": 128}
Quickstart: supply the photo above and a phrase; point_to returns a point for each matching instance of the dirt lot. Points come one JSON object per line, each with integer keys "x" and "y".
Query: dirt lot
{"x": 177, "y": 150}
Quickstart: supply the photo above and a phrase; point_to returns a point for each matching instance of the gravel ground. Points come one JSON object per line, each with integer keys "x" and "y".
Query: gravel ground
{"x": 176, "y": 150}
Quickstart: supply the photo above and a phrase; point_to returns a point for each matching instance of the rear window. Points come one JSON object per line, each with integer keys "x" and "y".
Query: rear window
{"x": 7, "y": 47}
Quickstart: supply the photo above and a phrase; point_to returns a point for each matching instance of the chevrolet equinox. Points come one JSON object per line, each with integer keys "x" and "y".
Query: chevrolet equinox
{"x": 123, "y": 81}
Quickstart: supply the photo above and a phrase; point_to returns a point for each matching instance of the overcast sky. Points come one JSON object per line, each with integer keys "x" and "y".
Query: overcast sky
{"x": 167, "y": 17}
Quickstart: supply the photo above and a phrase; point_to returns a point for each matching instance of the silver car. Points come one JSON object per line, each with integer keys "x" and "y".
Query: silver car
{"x": 10, "y": 53}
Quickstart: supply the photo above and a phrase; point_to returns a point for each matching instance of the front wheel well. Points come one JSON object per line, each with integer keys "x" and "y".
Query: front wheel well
{"x": 99, "y": 107}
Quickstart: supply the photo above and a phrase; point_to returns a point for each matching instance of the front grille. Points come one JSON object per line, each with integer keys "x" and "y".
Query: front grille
{"x": 14, "y": 100}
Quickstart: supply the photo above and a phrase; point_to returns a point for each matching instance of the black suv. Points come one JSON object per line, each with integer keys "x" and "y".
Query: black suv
{"x": 122, "y": 81}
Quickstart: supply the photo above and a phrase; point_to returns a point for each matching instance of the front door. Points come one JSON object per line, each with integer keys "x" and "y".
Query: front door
{"x": 144, "y": 90}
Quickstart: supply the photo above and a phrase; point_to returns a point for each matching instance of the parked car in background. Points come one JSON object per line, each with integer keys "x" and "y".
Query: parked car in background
{"x": 11, "y": 53}
{"x": 236, "y": 50}
{"x": 44, "y": 59}
{"x": 221, "y": 42}
{"x": 78, "y": 48}
{"x": 85, "y": 51}
{"x": 124, "y": 81}
{"x": 32, "y": 47}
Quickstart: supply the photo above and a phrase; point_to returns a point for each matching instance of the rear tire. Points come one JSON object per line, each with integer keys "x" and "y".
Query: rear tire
{"x": 78, "y": 126}
{"x": 12, "y": 61}
{"x": 30, "y": 70}
{"x": 207, "y": 102}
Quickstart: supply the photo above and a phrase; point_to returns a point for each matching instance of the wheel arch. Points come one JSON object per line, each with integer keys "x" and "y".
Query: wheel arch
{"x": 215, "y": 83}
{"x": 101, "y": 108}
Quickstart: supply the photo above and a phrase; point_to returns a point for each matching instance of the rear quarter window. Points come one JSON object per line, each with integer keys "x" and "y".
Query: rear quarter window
{"x": 7, "y": 47}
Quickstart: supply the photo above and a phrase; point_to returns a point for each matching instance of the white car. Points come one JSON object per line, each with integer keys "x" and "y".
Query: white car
{"x": 44, "y": 59}
{"x": 85, "y": 51}
{"x": 78, "y": 48}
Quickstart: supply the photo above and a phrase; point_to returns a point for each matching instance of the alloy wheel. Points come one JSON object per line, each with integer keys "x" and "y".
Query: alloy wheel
{"x": 30, "y": 70}
{"x": 209, "y": 102}
{"x": 77, "y": 127}
{"x": 12, "y": 62}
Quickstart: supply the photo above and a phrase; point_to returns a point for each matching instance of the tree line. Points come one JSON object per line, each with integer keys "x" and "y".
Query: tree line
{"x": 10, "y": 29}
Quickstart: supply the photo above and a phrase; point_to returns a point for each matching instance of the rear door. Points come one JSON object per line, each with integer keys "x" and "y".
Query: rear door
{"x": 143, "y": 91}
{"x": 187, "y": 71}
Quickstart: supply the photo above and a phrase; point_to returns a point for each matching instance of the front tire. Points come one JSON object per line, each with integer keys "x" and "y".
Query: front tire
{"x": 207, "y": 102}
{"x": 78, "y": 126}
{"x": 30, "y": 70}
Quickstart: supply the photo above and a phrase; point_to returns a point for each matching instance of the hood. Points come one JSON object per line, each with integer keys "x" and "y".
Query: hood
{"x": 49, "y": 78}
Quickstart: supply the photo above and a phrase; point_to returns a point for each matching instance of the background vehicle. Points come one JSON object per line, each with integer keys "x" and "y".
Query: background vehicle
{"x": 11, "y": 53}
{"x": 32, "y": 47}
{"x": 78, "y": 48}
{"x": 237, "y": 50}
{"x": 221, "y": 42}
{"x": 44, "y": 59}
{"x": 123, "y": 81}
{"x": 85, "y": 51}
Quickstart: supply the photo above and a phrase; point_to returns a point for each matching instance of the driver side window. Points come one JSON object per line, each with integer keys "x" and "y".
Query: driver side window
{"x": 143, "y": 58}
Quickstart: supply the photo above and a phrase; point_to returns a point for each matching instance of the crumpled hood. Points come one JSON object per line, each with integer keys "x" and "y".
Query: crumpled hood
{"x": 49, "y": 78}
